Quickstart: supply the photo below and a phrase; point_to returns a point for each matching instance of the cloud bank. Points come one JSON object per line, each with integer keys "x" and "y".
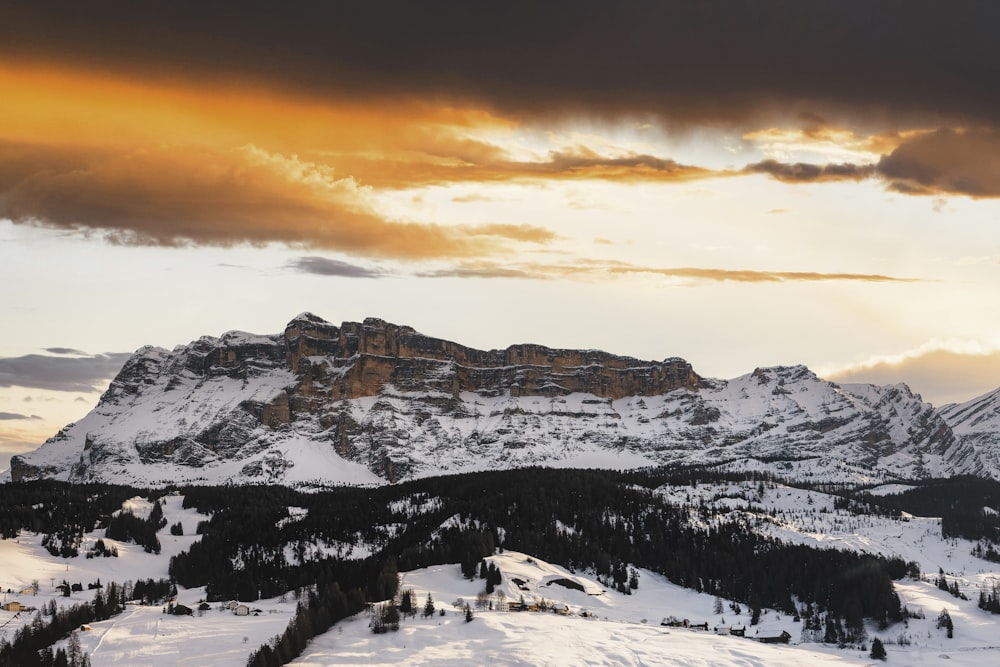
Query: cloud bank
{"x": 713, "y": 60}
{"x": 74, "y": 374}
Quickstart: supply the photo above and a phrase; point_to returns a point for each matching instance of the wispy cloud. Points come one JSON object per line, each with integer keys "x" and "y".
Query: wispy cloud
{"x": 588, "y": 269}
{"x": 64, "y": 350}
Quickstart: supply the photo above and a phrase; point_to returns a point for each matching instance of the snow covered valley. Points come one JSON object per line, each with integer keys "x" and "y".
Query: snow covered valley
{"x": 573, "y": 614}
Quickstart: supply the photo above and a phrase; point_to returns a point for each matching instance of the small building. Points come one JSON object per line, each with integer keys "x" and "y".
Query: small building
{"x": 232, "y": 604}
{"x": 204, "y": 606}
{"x": 182, "y": 610}
{"x": 783, "y": 638}
{"x": 13, "y": 605}
{"x": 28, "y": 590}
{"x": 699, "y": 626}
{"x": 561, "y": 609}
{"x": 241, "y": 610}
{"x": 84, "y": 628}
{"x": 738, "y": 632}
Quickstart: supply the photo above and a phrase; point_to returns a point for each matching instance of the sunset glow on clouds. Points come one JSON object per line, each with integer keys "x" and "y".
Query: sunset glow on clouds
{"x": 735, "y": 183}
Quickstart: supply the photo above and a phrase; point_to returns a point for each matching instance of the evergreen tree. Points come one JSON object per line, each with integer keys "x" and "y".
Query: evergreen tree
{"x": 944, "y": 621}
{"x": 429, "y": 607}
{"x": 75, "y": 651}
{"x": 407, "y": 603}
{"x": 878, "y": 650}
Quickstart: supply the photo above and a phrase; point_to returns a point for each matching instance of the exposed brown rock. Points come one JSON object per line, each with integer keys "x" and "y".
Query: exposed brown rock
{"x": 359, "y": 359}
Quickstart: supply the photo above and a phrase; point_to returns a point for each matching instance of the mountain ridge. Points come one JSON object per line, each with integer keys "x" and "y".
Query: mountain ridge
{"x": 372, "y": 402}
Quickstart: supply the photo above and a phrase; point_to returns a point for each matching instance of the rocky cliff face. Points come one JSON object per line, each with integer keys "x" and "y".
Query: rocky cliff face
{"x": 358, "y": 360}
{"x": 373, "y": 401}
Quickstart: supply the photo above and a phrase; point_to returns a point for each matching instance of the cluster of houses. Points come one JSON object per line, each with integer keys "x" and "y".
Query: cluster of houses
{"x": 561, "y": 609}
{"x": 16, "y": 606}
{"x": 241, "y": 609}
{"x": 733, "y": 630}
{"x": 234, "y": 606}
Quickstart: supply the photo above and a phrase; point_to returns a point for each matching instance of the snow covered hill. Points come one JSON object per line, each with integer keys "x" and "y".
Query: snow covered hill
{"x": 601, "y": 627}
{"x": 372, "y": 402}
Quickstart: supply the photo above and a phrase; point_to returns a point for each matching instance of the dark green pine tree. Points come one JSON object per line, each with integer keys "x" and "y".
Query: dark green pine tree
{"x": 878, "y": 650}
{"x": 406, "y": 602}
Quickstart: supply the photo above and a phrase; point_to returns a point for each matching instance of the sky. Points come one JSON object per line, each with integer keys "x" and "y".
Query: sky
{"x": 740, "y": 184}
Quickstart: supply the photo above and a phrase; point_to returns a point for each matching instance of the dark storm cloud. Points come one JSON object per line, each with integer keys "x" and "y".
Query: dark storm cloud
{"x": 946, "y": 162}
{"x": 943, "y": 162}
{"x": 802, "y": 172}
{"x": 323, "y": 266}
{"x": 688, "y": 61}
{"x": 82, "y": 374}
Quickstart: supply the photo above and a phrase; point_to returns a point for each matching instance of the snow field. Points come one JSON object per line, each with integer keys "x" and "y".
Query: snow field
{"x": 621, "y": 629}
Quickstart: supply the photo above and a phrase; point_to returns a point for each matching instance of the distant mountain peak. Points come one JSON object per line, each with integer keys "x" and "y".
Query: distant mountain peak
{"x": 369, "y": 401}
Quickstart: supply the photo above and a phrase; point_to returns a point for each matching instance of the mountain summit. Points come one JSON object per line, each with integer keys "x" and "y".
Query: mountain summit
{"x": 372, "y": 402}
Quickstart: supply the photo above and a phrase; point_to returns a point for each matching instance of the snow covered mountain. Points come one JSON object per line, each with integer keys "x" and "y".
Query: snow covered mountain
{"x": 977, "y": 424}
{"x": 373, "y": 401}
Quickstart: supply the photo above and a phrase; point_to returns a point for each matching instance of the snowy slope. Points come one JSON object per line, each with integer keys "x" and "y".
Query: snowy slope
{"x": 626, "y": 630}
{"x": 141, "y": 635}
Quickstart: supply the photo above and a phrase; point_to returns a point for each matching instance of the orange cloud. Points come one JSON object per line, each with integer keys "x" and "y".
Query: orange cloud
{"x": 164, "y": 162}
{"x": 941, "y": 376}
{"x": 174, "y": 196}
{"x": 63, "y": 106}
{"x": 169, "y": 163}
